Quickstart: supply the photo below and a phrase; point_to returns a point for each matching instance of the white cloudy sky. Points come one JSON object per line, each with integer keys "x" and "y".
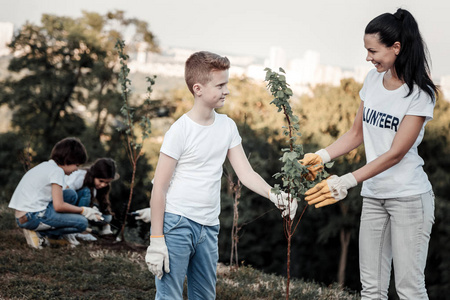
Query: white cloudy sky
{"x": 334, "y": 28}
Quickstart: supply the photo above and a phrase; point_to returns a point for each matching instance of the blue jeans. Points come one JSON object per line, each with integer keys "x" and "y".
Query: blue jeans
{"x": 50, "y": 223}
{"x": 83, "y": 197}
{"x": 193, "y": 252}
{"x": 395, "y": 231}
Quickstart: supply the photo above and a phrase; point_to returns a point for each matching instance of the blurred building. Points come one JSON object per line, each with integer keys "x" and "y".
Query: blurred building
{"x": 6, "y": 35}
{"x": 445, "y": 87}
{"x": 302, "y": 73}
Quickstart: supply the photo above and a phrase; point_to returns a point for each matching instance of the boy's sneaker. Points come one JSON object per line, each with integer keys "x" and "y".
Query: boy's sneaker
{"x": 86, "y": 237}
{"x": 33, "y": 239}
{"x": 71, "y": 239}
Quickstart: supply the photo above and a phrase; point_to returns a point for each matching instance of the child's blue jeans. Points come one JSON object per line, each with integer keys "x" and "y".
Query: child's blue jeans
{"x": 395, "y": 231}
{"x": 53, "y": 224}
{"x": 193, "y": 252}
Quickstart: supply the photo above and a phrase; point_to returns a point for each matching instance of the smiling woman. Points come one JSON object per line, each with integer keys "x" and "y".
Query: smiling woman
{"x": 381, "y": 56}
{"x": 398, "y": 100}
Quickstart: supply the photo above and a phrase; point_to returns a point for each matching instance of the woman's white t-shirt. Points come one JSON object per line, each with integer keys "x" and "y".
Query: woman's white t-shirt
{"x": 384, "y": 110}
{"x": 194, "y": 190}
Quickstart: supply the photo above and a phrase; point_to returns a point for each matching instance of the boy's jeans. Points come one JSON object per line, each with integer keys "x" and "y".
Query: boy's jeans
{"x": 193, "y": 251}
{"x": 53, "y": 224}
{"x": 395, "y": 230}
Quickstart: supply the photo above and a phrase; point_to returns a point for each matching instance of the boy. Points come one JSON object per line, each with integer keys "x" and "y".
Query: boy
{"x": 185, "y": 202}
{"x": 39, "y": 200}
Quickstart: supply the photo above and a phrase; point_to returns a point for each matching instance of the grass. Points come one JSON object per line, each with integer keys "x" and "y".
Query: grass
{"x": 106, "y": 270}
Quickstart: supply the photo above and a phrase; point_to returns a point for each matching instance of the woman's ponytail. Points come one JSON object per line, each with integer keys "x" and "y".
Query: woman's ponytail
{"x": 411, "y": 64}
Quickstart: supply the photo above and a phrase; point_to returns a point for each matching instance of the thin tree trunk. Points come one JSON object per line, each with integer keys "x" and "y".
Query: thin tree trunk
{"x": 345, "y": 240}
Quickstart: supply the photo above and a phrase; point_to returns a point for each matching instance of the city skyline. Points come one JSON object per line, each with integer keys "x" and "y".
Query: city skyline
{"x": 332, "y": 28}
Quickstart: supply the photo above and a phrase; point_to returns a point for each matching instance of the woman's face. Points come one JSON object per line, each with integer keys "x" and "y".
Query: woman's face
{"x": 382, "y": 57}
{"x": 102, "y": 182}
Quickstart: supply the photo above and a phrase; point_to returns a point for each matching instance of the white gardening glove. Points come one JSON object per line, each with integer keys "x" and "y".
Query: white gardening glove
{"x": 157, "y": 256}
{"x": 144, "y": 215}
{"x": 324, "y": 155}
{"x": 91, "y": 213}
{"x": 331, "y": 190}
{"x": 281, "y": 201}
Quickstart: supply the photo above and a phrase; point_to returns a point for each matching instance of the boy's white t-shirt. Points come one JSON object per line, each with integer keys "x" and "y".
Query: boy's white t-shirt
{"x": 34, "y": 191}
{"x": 194, "y": 190}
{"x": 384, "y": 110}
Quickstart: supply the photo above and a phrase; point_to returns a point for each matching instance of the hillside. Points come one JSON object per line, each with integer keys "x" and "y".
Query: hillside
{"x": 107, "y": 270}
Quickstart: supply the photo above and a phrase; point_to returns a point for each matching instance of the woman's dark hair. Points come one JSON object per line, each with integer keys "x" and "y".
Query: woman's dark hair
{"x": 411, "y": 64}
{"x": 103, "y": 168}
{"x": 69, "y": 151}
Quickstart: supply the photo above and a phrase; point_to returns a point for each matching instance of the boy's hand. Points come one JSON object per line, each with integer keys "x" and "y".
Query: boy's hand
{"x": 91, "y": 214}
{"x": 281, "y": 201}
{"x": 331, "y": 190}
{"x": 144, "y": 215}
{"x": 157, "y": 256}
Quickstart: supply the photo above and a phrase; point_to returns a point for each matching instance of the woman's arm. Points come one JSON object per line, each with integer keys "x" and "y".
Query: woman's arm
{"x": 163, "y": 174}
{"x": 407, "y": 134}
{"x": 349, "y": 140}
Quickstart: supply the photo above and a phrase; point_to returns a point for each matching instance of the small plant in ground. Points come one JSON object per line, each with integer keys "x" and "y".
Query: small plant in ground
{"x": 235, "y": 189}
{"x": 134, "y": 144}
{"x": 293, "y": 174}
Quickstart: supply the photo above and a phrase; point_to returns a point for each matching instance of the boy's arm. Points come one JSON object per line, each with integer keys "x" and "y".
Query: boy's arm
{"x": 157, "y": 257}
{"x": 254, "y": 182}
{"x": 58, "y": 201}
{"x": 163, "y": 174}
{"x": 63, "y": 207}
{"x": 245, "y": 172}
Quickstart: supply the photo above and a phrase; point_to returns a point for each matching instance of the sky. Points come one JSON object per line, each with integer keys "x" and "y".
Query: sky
{"x": 334, "y": 28}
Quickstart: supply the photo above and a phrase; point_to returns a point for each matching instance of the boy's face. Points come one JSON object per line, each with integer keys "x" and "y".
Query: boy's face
{"x": 68, "y": 169}
{"x": 214, "y": 92}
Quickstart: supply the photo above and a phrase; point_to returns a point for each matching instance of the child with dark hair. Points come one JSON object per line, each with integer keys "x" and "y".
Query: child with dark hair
{"x": 93, "y": 186}
{"x": 41, "y": 206}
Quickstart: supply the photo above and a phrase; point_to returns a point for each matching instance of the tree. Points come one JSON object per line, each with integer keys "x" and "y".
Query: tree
{"x": 63, "y": 66}
{"x": 63, "y": 82}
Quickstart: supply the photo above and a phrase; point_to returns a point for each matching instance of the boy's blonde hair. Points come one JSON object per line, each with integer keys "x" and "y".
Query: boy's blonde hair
{"x": 199, "y": 66}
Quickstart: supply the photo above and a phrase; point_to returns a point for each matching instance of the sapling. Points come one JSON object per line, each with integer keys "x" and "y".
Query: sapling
{"x": 134, "y": 143}
{"x": 293, "y": 174}
{"x": 235, "y": 191}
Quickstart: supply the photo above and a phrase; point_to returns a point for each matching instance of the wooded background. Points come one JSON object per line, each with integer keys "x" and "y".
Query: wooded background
{"x": 63, "y": 81}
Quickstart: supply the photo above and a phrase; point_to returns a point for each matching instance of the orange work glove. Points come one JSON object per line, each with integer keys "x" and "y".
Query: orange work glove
{"x": 331, "y": 190}
{"x": 315, "y": 162}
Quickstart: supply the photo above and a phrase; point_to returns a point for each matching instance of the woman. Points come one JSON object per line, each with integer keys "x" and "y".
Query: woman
{"x": 398, "y": 98}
